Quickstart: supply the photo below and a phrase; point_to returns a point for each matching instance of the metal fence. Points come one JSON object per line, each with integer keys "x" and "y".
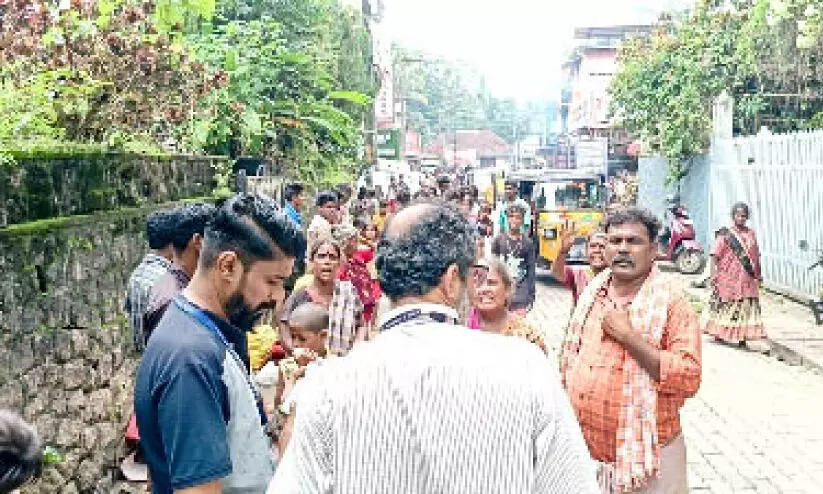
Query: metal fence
{"x": 780, "y": 176}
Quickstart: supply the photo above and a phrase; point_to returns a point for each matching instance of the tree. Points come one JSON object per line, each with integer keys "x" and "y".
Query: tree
{"x": 298, "y": 85}
{"x": 666, "y": 82}
{"x": 107, "y": 66}
{"x": 443, "y": 95}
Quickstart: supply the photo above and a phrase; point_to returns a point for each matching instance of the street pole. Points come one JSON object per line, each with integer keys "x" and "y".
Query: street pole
{"x": 455, "y": 147}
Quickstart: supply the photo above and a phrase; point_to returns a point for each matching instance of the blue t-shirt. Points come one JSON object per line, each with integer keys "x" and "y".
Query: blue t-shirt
{"x": 198, "y": 418}
{"x": 293, "y": 214}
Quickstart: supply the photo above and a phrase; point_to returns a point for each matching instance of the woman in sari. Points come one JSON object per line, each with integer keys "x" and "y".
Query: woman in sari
{"x": 354, "y": 269}
{"x": 491, "y": 293}
{"x": 733, "y": 315}
{"x": 339, "y": 297}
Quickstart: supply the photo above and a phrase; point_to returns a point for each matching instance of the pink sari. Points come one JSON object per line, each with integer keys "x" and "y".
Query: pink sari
{"x": 733, "y": 314}
{"x": 473, "y": 321}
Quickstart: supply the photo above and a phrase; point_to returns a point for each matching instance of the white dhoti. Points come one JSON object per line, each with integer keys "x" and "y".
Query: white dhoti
{"x": 673, "y": 477}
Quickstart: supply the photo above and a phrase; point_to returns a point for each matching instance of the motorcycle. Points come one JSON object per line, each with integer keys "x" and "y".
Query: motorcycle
{"x": 679, "y": 242}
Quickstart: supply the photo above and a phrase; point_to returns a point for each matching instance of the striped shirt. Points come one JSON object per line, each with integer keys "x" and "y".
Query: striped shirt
{"x": 142, "y": 279}
{"x": 428, "y": 408}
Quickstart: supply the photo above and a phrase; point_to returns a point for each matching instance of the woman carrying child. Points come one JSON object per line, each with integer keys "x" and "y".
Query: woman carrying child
{"x": 339, "y": 296}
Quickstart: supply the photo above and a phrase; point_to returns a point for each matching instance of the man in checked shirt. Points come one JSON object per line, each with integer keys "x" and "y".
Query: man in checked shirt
{"x": 631, "y": 358}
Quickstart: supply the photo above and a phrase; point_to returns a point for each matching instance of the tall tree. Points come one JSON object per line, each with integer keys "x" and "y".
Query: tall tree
{"x": 443, "y": 95}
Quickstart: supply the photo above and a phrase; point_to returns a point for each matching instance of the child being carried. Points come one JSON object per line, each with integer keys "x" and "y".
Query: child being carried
{"x": 309, "y": 327}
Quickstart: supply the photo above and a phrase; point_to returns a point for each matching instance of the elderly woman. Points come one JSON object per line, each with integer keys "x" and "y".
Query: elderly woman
{"x": 338, "y": 296}
{"x": 492, "y": 289}
{"x": 733, "y": 315}
{"x": 356, "y": 270}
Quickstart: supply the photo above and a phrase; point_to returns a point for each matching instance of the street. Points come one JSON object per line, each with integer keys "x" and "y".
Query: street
{"x": 754, "y": 425}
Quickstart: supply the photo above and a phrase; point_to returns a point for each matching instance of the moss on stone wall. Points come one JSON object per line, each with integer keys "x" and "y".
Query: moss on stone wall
{"x": 40, "y": 185}
{"x": 65, "y": 344}
{"x": 50, "y": 224}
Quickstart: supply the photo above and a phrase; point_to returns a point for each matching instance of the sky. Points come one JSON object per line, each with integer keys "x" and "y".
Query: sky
{"x": 518, "y": 45}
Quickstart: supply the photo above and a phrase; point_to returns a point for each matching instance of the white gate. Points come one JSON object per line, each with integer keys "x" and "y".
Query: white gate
{"x": 780, "y": 176}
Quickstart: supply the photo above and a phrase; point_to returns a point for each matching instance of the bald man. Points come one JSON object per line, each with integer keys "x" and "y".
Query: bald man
{"x": 429, "y": 405}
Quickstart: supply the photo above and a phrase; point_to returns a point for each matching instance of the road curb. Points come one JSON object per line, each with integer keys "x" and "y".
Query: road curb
{"x": 778, "y": 350}
{"x": 790, "y": 356}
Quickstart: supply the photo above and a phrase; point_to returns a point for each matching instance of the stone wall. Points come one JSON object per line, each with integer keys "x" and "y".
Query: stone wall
{"x": 33, "y": 188}
{"x": 66, "y": 358}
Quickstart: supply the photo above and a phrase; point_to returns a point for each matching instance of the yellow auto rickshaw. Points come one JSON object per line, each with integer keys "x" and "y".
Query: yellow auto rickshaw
{"x": 561, "y": 199}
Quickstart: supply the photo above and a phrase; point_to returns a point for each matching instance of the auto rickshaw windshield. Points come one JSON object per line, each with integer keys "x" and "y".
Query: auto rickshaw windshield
{"x": 583, "y": 194}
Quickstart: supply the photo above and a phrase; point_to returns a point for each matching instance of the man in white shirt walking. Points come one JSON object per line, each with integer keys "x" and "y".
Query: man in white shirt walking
{"x": 430, "y": 406}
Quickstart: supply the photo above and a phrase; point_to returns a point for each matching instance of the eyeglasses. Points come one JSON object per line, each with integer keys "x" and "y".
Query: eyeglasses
{"x": 479, "y": 273}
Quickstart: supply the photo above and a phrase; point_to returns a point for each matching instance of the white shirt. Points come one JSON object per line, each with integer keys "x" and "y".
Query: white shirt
{"x": 318, "y": 222}
{"x": 430, "y": 408}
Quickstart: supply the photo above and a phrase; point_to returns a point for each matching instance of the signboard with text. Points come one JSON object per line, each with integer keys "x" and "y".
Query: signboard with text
{"x": 592, "y": 155}
{"x": 388, "y": 144}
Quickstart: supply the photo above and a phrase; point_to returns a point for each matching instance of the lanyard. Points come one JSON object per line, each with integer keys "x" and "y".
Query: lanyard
{"x": 413, "y": 314}
{"x": 200, "y": 316}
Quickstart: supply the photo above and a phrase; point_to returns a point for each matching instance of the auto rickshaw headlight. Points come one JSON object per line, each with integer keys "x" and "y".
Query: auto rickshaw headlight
{"x": 550, "y": 233}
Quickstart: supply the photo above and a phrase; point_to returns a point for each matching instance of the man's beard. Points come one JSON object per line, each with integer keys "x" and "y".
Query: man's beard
{"x": 241, "y": 314}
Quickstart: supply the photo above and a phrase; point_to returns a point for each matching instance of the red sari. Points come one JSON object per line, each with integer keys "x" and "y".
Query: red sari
{"x": 357, "y": 271}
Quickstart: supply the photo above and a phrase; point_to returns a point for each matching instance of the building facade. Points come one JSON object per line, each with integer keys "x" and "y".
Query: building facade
{"x": 588, "y": 72}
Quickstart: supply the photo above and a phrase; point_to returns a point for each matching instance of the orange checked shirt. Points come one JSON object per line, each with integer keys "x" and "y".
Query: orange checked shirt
{"x": 595, "y": 384}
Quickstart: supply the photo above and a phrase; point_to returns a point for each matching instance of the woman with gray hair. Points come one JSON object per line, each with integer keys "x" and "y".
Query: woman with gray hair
{"x": 491, "y": 292}
{"x": 355, "y": 270}
{"x": 21, "y": 453}
{"x": 733, "y": 315}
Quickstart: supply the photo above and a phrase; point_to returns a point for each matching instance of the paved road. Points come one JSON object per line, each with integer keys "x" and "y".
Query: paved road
{"x": 754, "y": 427}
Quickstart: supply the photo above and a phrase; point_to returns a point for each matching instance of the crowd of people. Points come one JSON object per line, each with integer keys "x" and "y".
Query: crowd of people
{"x": 404, "y": 358}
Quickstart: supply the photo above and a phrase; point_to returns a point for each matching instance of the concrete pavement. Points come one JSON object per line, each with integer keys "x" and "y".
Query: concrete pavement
{"x": 754, "y": 426}
{"x": 793, "y": 334}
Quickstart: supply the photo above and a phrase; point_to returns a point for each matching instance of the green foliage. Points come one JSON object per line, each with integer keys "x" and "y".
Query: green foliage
{"x": 176, "y": 15}
{"x": 222, "y": 178}
{"x": 762, "y": 52}
{"x": 443, "y": 95}
{"x": 291, "y": 91}
{"x": 97, "y": 68}
{"x": 666, "y": 84}
{"x": 27, "y": 109}
{"x": 51, "y": 456}
{"x": 290, "y": 80}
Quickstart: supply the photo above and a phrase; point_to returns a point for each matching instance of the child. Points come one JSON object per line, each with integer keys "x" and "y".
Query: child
{"x": 369, "y": 234}
{"x": 309, "y": 327}
{"x": 381, "y": 216}
{"x": 367, "y": 244}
